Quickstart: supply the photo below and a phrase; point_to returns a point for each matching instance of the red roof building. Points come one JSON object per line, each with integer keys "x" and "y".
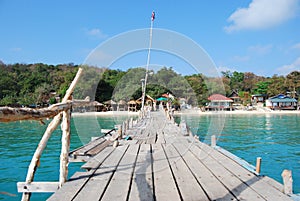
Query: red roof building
{"x": 219, "y": 102}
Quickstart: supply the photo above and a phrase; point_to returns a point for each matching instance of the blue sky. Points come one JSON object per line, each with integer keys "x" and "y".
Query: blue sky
{"x": 260, "y": 36}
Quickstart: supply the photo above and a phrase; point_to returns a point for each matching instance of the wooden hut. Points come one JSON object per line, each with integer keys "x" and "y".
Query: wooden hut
{"x": 110, "y": 105}
{"x": 122, "y": 105}
{"x": 148, "y": 101}
{"x": 132, "y": 106}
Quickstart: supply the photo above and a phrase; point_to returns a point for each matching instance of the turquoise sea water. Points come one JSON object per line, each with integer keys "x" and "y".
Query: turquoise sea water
{"x": 18, "y": 141}
{"x": 273, "y": 137}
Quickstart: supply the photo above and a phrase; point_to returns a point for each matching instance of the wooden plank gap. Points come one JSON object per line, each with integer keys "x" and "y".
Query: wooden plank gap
{"x": 195, "y": 177}
{"x": 111, "y": 176}
{"x": 173, "y": 175}
{"x": 131, "y": 180}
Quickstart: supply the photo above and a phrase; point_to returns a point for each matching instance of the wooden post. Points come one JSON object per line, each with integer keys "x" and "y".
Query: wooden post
{"x": 287, "y": 182}
{"x": 51, "y": 127}
{"x": 127, "y": 124}
{"x": 258, "y": 165}
{"x": 120, "y": 131}
{"x": 65, "y": 147}
{"x": 123, "y": 128}
{"x": 38, "y": 152}
{"x": 131, "y": 122}
{"x": 213, "y": 141}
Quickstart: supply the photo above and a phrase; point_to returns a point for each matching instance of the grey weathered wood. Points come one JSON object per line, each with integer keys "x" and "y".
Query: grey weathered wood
{"x": 142, "y": 186}
{"x": 211, "y": 185}
{"x": 69, "y": 190}
{"x": 164, "y": 183}
{"x": 37, "y": 187}
{"x": 97, "y": 160}
{"x": 243, "y": 183}
{"x": 252, "y": 180}
{"x": 188, "y": 186}
{"x": 65, "y": 147}
{"x": 85, "y": 148}
{"x": 101, "y": 176}
{"x": 287, "y": 181}
{"x": 119, "y": 185}
{"x": 172, "y": 167}
{"x": 229, "y": 180}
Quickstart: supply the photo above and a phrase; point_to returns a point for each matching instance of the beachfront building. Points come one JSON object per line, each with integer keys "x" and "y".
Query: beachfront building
{"x": 235, "y": 97}
{"x": 237, "y": 102}
{"x": 132, "y": 106}
{"x": 219, "y": 102}
{"x": 149, "y": 101}
{"x": 122, "y": 105}
{"x": 258, "y": 99}
{"x": 281, "y": 102}
{"x": 110, "y": 105}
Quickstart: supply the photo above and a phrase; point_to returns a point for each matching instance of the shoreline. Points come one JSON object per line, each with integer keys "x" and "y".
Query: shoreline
{"x": 187, "y": 112}
{"x": 236, "y": 112}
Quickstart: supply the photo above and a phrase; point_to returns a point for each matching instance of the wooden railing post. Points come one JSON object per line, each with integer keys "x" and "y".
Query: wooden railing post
{"x": 51, "y": 127}
{"x": 65, "y": 147}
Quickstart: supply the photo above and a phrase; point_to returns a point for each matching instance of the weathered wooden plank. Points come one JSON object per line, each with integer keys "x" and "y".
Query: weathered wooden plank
{"x": 142, "y": 185}
{"x": 249, "y": 178}
{"x": 98, "y": 159}
{"x": 98, "y": 148}
{"x": 37, "y": 187}
{"x": 96, "y": 185}
{"x": 187, "y": 184}
{"x": 69, "y": 190}
{"x": 164, "y": 183}
{"x": 211, "y": 185}
{"x": 119, "y": 185}
{"x": 160, "y": 137}
{"x": 84, "y": 149}
{"x": 237, "y": 187}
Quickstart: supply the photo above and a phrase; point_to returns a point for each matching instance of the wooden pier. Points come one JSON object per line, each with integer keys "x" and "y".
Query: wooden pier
{"x": 161, "y": 163}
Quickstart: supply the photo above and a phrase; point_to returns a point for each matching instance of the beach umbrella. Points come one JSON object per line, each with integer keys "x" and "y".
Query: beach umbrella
{"x": 162, "y": 99}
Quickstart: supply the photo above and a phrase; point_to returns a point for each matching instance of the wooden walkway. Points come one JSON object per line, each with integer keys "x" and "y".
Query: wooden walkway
{"x": 162, "y": 164}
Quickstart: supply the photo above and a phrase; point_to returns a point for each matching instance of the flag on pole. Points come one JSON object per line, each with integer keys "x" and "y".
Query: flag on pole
{"x": 153, "y": 16}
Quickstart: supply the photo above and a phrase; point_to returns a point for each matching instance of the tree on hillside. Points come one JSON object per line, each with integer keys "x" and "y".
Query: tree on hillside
{"x": 293, "y": 83}
{"x": 276, "y": 86}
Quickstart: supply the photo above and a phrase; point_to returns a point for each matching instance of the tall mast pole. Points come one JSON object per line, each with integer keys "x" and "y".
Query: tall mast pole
{"x": 148, "y": 61}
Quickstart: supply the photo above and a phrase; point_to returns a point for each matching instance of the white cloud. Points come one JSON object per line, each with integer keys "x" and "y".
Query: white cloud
{"x": 296, "y": 46}
{"x": 262, "y": 14}
{"x": 286, "y": 69}
{"x": 96, "y": 33}
{"x": 15, "y": 49}
{"x": 261, "y": 49}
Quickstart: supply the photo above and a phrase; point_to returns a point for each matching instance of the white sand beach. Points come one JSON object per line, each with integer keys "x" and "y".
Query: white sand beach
{"x": 109, "y": 113}
{"x": 237, "y": 112}
{"x": 189, "y": 112}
